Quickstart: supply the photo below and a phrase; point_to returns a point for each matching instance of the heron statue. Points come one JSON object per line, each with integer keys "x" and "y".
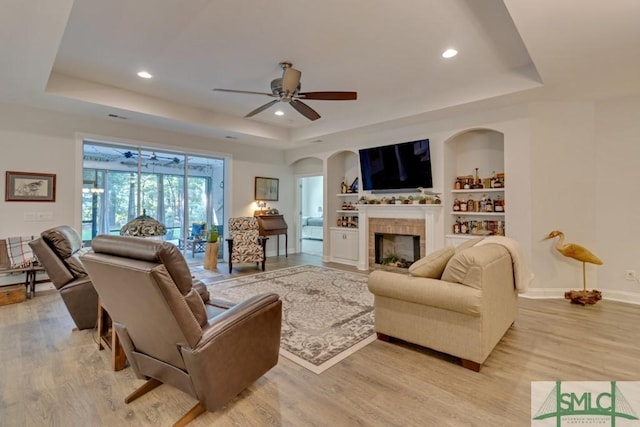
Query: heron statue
{"x": 582, "y": 254}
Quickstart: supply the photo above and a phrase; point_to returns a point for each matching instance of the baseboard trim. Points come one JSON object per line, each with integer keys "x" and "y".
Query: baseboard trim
{"x": 607, "y": 294}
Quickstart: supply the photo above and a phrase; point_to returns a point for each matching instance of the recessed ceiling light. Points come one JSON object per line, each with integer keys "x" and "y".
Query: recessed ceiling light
{"x": 144, "y": 75}
{"x": 449, "y": 53}
{"x": 279, "y": 113}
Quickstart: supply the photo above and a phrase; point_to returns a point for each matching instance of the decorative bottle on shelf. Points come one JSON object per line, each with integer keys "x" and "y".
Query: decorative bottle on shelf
{"x": 489, "y": 205}
{"x": 477, "y": 183}
{"x": 467, "y": 184}
{"x": 498, "y": 182}
{"x": 456, "y": 226}
{"x": 498, "y": 205}
{"x": 458, "y": 184}
{"x": 471, "y": 204}
{"x": 463, "y": 205}
{"x": 456, "y": 205}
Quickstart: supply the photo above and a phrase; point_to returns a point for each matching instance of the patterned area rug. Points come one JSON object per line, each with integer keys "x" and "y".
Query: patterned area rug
{"x": 327, "y": 314}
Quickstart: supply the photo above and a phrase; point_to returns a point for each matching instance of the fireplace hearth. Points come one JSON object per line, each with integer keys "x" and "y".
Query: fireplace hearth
{"x": 396, "y": 250}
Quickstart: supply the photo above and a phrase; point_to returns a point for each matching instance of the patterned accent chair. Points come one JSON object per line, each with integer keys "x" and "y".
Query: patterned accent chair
{"x": 245, "y": 242}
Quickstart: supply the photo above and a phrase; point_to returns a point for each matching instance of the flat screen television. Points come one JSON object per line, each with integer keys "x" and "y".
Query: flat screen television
{"x": 403, "y": 166}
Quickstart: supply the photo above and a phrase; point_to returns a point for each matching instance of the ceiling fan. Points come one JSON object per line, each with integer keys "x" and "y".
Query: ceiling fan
{"x": 287, "y": 89}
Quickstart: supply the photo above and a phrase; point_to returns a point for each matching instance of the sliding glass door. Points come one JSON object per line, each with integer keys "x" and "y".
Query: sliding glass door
{"x": 184, "y": 192}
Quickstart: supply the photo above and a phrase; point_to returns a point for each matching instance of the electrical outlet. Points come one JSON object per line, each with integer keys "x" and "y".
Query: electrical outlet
{"x": 630, "y": 275}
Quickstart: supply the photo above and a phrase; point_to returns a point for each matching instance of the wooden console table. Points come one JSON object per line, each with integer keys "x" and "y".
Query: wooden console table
{"x": 273, "y": 225}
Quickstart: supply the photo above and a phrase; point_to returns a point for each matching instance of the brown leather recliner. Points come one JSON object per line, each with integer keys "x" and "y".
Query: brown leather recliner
{"x": 58, "y": 251}
{"x": 211, "y": 351}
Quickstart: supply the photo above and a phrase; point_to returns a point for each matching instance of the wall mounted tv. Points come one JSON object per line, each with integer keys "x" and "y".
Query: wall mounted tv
{"x": 404, "y": 166}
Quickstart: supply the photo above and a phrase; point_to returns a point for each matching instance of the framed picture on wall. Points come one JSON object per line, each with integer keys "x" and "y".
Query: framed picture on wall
{"x": 266, "y": 189}
{"x": 30, "y": 187}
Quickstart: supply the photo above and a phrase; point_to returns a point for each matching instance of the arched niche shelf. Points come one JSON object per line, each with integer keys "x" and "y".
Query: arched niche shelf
{"x": 465, "y": 151}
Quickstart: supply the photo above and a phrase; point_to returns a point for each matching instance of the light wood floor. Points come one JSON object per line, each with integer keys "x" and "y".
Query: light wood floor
{"x": 52, "y": 376}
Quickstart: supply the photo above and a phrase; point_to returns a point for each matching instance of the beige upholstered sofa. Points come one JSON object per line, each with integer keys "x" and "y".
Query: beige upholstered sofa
{"x": 465, "y": 313}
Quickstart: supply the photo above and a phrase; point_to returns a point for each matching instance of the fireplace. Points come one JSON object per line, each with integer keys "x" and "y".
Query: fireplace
{"x": 396, "y": 250}
{"x": 405, "y": 220}
{"x": 399, "y": 232}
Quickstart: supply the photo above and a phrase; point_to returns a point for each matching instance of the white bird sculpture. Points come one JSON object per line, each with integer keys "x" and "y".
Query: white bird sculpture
{"x": 576, "y": 252}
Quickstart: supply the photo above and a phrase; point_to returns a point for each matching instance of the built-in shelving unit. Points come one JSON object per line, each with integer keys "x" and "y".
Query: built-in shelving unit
{"x": 484, "y": 150}
{"x": 343, "y": 223}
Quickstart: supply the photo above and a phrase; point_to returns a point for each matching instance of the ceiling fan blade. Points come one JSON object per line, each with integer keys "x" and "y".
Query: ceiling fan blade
{"x": 290, "y": 80}
{"x": 249, "y": 92}
{"x": 262, "y": 108}
{"x": 304, "y": 109}
{"x": 329, "y": 96}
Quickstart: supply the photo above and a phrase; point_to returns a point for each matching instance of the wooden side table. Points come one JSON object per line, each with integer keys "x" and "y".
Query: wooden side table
{"x": 211, "y": 255}
{"x": 109, "y": 338}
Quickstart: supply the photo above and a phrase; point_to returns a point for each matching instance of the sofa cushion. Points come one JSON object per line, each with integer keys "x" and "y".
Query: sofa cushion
{"x": 468, "y": 244}
{"x": 466, "y": 267}
{"x": 432, "y": 265}
{"x": 63, "y": 240}
{"x": 431, "y": 292}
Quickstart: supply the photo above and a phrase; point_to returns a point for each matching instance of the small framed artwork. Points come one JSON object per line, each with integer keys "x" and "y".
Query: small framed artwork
{"x": 266, "y": 189}
{"x": 30, "y": 187}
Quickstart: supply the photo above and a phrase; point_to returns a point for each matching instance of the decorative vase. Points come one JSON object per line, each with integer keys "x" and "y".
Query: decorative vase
{"x": 211, "y": 256}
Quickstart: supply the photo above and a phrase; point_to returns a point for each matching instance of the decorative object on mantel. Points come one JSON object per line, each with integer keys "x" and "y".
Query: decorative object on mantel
{"x": 427, "y": 198}
{"x": 583, "y": 255}
{"x": 143, "y": 226}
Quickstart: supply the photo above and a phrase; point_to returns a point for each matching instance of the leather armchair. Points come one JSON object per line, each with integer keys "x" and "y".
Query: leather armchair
{"x": 245, "y": 242}
{"x": 58, "y": 250}
{"x": 211, "y": 351}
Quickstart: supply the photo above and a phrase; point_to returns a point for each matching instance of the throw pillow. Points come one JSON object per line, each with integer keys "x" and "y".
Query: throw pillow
{"x": 432, "y": 265}
{"x": 469, "y": 243}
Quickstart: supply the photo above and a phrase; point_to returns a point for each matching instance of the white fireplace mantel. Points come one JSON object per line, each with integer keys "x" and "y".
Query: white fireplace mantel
{"x": 426, "y": 212}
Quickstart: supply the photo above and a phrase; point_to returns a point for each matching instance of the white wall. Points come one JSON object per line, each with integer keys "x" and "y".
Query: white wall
{"x": 571, "y": 166}
{"x": 563, "y": 189}
{"x": 35, "y": 140}
{"x": 615, "y": 197}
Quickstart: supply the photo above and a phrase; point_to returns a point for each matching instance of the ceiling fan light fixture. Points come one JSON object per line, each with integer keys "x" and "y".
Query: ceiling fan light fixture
{"x": 449, "y": 53}
{"x": 144, "y": 74}
{"x": 279, "y": 113}
{"x": 287, "y": 89}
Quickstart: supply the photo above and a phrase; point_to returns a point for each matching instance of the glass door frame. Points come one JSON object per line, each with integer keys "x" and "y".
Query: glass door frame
{"x": 137, "y": 150}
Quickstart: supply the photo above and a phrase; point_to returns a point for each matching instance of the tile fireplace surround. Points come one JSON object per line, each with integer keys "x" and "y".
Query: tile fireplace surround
{"x": 416, "y": 220}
